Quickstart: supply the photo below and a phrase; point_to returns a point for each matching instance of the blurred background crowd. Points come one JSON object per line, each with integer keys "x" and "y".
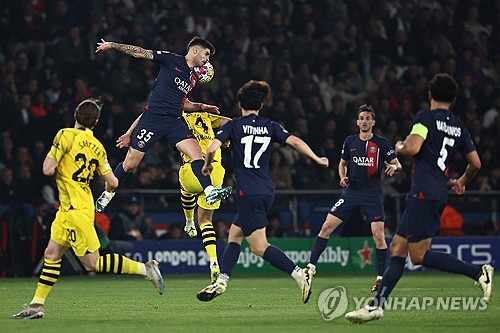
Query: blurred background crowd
{"x": 322, "y": 58}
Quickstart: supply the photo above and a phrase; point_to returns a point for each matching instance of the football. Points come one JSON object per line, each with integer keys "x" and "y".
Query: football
{"x": 204, "y": 73}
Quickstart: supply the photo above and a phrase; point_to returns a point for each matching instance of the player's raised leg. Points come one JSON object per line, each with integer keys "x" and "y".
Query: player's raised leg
{"x": 117, "y": 264}
{"x": 122, "y": 171}
{"x": 191, "y": 148}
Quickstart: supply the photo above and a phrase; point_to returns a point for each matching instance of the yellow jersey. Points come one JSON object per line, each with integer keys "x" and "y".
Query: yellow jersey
{"x": 202, "y": 125}
{"x": 79, "y": 156}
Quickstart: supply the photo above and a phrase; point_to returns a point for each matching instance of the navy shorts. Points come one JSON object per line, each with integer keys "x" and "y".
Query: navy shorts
{"x": 421, "y": 219}
{"x": 252, "y": 212}
{"x": 370, "y": 203}
{"x": 153, "y": 127}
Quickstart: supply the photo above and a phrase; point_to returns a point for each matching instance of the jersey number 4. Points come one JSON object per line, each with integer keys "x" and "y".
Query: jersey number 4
{"x": 443, "y": 154}
{"x": 250, "y": 160}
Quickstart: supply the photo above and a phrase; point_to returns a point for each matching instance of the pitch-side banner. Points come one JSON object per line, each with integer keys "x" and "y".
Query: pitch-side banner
{"x": 341, "y": 255}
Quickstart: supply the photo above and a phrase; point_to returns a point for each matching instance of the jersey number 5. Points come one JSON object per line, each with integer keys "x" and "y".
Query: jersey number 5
{"x": 443, "y": 154}
{"x": 249, "y": 160}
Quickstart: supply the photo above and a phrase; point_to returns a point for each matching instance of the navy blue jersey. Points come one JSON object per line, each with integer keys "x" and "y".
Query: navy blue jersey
{"x": 446, "y": 135}
{"x": 366, "y": 161}
{"x": 172, "y": 84}
{"x": 251, "y": 144}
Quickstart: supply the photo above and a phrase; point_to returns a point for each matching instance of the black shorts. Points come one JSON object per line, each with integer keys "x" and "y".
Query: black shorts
{"x": 421, "y": 219}
{"x": 153, "y": 127}
{"x": 252, "y": 212}
{"x": 370, "y": 203}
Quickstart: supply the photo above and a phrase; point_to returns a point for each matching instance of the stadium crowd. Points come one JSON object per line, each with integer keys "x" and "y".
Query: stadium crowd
{"x": 322, "y": 58}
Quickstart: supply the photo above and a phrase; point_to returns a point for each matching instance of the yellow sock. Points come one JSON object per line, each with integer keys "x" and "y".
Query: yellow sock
{"x": 208, "y": 239}
{"x": 118, "y": 264}
{"x": 50, "y": 273}
{"x": 188, "y": 205}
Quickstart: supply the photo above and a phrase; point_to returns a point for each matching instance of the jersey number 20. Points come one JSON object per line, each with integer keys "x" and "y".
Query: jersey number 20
{"x": 250, "y": 160}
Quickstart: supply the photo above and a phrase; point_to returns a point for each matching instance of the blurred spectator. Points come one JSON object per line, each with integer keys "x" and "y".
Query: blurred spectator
{"x": 175, "y": 231}
{"x": 129, "y": 223}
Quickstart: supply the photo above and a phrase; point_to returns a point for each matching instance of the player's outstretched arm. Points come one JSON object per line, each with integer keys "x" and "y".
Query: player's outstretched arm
{"x": 411, "y": 146}
{"x": 124, "y": 140}
{"x": 209, "y": 156}
{"x": 131, "y": 50}
{"x": 305, "y": 150}
{"x": 195, "y": 106}
{"x": 393, "y": 167}
{"x": 473, "y": 166}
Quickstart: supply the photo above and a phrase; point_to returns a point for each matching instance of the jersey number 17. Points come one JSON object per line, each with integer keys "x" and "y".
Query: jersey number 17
{"x": 249, "y": 160}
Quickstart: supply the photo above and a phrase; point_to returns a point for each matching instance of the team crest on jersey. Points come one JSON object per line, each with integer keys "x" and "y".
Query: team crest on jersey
{"x": 372, "y": 150}
{"x": 141, "y": 144}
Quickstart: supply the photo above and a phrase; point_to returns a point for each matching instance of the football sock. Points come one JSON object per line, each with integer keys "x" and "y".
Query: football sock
{"x": 318, "y": 247}
{"x": 278, "y": 259}
{"x": 50, "y": 273}
{"x": 196, "y": 166}
{"x": 118, "y": 264}
{"x": 390, "y": 279}
{"x": 208, "y": 239}
{"x": 188, "y": 205}
{"x": 381, "y": 256}
{"x": 120, "y": 173}
{"x": 230, "y": 257}
{"x": 448, "y": 263}
{"x": 297, "y": 274}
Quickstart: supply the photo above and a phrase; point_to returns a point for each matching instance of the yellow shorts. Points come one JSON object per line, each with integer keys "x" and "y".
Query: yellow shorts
{"x": 191, "y": 185}
{"x": 75, "y": 228}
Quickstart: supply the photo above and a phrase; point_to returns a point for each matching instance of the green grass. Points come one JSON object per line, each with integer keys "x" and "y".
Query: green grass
{"x": 251, "y": 304}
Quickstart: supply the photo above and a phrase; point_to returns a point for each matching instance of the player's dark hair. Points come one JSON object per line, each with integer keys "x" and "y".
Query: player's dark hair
{"x": 252, "y": 94}
{"x": 367, "y": 108}
{"x": 88, "y": 111}
{"x": 443, "y": 88}
{"x": 198, "y": 41}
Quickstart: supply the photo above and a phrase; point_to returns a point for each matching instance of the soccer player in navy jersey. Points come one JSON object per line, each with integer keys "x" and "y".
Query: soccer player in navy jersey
{"x": 251, "y": 139}
{"x": 363, "y": 159}
{"x": 162, "y": 116}
{"x": 437, "y": 135}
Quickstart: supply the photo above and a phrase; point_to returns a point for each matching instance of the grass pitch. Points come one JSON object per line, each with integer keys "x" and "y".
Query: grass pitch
{"x": 251, "y": 304}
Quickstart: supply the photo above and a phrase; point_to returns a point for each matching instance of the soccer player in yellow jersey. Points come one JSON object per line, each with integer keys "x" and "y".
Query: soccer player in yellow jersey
{"x": 202, "y": 125}
{"x": 74, "y": 158}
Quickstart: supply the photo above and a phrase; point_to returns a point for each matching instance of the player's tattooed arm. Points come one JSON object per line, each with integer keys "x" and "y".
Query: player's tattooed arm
{"x": 131, "y": 50}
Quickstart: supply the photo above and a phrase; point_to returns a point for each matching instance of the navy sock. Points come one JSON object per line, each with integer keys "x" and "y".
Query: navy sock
{"x": 318, "y": 247}
{"x": 278, "y": 259}
{"x": 390, "y": 279}
{"x": 448, "y": 263}
{"x": 229, "y": 258}
{"x": 381, "y": 256}
{"x": 120, "y": 173}
{"x": 196, "y": 166}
